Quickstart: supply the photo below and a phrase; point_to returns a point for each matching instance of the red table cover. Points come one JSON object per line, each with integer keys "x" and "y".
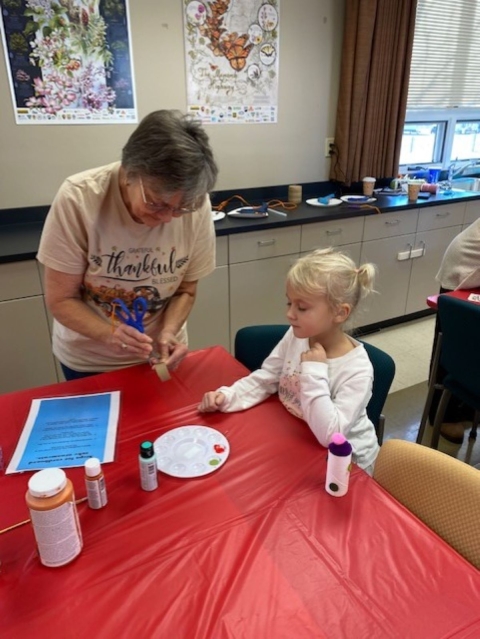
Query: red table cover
{"x": 255, "y": 550}
{"x": 460, "y": 294}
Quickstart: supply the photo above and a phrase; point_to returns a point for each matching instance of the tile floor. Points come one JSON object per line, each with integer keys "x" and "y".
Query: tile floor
{"x": 410, "y": 345}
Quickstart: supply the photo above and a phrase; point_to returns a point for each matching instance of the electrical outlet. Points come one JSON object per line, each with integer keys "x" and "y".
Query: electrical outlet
{"x": 328, "y": 146}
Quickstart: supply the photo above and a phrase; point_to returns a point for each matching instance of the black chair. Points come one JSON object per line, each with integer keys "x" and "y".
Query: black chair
{"x": 254, "y": 343}
{"x": 459, "y": 356}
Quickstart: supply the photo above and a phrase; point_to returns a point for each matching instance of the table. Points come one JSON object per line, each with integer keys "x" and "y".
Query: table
{"x": 461, "y": 294}
{"x": 256, "y": 550}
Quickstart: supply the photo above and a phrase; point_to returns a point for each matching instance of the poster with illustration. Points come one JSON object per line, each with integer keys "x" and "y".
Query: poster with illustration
{"x": 232, "y": 60}
{"x": 69, "y": 61}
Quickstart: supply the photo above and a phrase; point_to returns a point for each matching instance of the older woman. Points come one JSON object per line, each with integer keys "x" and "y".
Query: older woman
{"x": 139, "y": 228}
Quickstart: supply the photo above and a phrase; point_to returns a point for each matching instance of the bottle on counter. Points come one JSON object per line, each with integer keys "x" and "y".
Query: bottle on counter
{"x": 339, "y": 463}
{"x": 53, "y": 512}
{"x": 95, "y": 484}
{"x": 148, "y": 466}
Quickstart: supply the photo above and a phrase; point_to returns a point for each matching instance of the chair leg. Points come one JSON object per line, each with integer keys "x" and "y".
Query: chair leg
{"x": 432, "y": 387}
{"x": 442, "y": 407}
{"x": 380, "y": 429}
{"x": 476, "y": 421}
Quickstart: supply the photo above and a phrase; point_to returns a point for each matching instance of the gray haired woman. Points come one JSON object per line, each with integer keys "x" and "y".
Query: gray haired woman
{"x": 139, "y": 228}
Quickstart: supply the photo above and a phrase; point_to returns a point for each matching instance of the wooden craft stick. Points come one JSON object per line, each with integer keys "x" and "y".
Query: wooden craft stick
{"x": 162, "y": 371}
{"x": 26, "y": 521}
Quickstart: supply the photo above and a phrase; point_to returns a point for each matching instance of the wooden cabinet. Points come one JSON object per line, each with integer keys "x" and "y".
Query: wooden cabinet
{"x": 472, "y": 213}
{"x": 388, "y": 240}
{"x": 209, "y": 321}
{"x": 407, "y": 263}
{"x": 393, "y": 276}
{"x": 25, "y": 343}
{"x": 259, "y": 263}
{"x": 346, "y": 235}
{"x": 437, "y": 226}
{"x": 332, "y": 233}
{"x": 425, "y": 268}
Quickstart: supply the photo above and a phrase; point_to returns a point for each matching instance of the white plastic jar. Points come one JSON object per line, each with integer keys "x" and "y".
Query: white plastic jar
{"x": 51, "y": 501}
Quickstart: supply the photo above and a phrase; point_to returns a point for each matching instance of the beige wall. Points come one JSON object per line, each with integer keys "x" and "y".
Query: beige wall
{"x": 35, "y": 159}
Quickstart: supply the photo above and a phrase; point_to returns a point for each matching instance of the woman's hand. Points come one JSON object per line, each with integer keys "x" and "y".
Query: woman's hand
{"x": 211, "y": 402}
{"x": 315, "y": 354}
{"x": 127, "y": 340}
{"x": 170, "y": 350}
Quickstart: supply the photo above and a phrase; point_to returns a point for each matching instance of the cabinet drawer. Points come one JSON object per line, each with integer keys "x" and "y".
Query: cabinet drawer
{"x": 390, "y": 224}
{"x": 332, "y": 233}
{"x": 259, "y": 245}
{"x": 439, "y": 217}
{"x": 222, "y": 251}
{"x": 19, "y": 279}
{"x": 472, "y": 212}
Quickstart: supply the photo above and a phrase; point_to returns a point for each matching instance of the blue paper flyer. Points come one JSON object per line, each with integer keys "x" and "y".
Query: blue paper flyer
{"x": 62, "y": 432}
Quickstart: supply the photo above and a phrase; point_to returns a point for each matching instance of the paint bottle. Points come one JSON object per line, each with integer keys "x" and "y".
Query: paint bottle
{"x": 148, "y": 467}
{"x": 339, "y": 463}
{"x": 51, "y": 501}
{"x": 95, "y": 484}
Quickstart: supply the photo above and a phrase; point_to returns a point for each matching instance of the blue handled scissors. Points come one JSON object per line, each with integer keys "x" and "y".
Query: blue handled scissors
{"x": 135, "y": 317}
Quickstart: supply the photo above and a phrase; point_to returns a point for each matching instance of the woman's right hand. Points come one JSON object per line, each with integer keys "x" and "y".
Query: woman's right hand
{"x": 211, "y": 402}
{"x": 127, "y": 340}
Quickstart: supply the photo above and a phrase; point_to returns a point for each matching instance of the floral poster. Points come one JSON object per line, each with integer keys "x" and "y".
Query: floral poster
{"x": 69, "y": 61}
{"x": 232, "y": 60}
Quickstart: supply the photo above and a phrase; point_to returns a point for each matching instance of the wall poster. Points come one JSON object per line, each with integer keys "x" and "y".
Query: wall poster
{"x": 69, "y": 61}
{"x": 232, "y": 60}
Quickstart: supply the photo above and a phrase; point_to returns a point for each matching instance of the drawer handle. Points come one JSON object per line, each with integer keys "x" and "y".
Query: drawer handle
{"x": 266, "y": 242}
{"x": 392, "y": 222}
{"x": 335, "y": 232}
{"x": 405, "y": 255}
{"x": 442, "y": 214}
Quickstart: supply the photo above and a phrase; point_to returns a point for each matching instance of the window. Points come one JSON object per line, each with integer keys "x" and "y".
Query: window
{"x": 444, "y": 88}
{"x": 422, "y": 142}
{"x": 466, "y": 140}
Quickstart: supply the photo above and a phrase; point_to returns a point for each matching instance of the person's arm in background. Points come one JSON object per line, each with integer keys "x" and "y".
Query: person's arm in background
{"x": 63, "y": 296}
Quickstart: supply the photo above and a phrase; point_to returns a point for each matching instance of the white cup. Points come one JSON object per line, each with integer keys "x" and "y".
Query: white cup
{"x": 368, "y": 185}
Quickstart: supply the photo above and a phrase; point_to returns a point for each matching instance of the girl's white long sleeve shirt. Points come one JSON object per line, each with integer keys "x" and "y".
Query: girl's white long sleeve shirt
{"x": 330, "y": 396}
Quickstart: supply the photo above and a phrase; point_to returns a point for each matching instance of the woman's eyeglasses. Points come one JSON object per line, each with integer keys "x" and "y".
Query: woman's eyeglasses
{"x": 157, "y": 207}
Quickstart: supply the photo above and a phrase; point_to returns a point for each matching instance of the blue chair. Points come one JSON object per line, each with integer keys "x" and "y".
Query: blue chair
{"x": 459, "y": 356}
{"x": 254, "y": 343}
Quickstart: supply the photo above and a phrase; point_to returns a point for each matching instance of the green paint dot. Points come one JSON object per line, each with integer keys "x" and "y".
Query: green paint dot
{"x": 214, "y": 462}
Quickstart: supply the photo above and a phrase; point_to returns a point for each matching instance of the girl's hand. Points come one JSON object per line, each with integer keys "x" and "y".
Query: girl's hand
{"x": 171, "y": 351}
{"x": 315, "y": 354}
{"x": 127, "y": 340}
{"x": 211, "y": 402}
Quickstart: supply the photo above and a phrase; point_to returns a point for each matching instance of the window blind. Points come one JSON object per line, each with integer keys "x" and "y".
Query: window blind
{"x": 445, "y": 70}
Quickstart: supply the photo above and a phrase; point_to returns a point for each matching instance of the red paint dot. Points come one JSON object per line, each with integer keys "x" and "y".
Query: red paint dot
{"x": 218, "y": 448}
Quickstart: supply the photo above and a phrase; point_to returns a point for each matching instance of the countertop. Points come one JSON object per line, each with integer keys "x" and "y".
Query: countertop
{"x": 20, "y": 229}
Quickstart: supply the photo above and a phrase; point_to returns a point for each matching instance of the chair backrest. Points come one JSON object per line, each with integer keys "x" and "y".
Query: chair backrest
{"x": 383, "y": 374}
{"x": 254, "y": 343}
{"x": 460, "y": 323}
{"x": 440, "y": 490}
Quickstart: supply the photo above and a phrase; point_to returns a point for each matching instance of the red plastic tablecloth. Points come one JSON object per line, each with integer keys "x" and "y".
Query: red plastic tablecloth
{"x": 256, "y": 550}
{"x": 461, "y": 294}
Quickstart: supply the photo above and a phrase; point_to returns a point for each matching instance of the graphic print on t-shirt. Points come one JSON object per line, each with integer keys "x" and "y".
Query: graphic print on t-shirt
{"x": 154, "y": 274}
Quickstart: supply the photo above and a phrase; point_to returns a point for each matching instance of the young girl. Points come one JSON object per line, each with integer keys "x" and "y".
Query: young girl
{"x": 321, "y": 374}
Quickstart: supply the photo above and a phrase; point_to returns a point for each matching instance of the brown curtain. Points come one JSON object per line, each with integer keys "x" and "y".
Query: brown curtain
{"x": 377, "y": 48}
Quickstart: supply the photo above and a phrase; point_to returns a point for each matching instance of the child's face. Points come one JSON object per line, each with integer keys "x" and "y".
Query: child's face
{"x": 310, "y": 315}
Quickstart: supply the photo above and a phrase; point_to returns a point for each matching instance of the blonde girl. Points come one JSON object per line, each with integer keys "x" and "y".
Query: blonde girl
{"x": 321, "y": 374}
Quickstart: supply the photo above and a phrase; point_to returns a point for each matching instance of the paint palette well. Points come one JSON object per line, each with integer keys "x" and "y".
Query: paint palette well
{"x": 191, "y": 451}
